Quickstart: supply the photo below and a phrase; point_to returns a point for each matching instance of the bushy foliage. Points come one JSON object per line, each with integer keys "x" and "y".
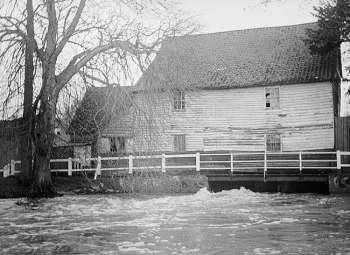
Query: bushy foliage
{"x": 333, "y": 26}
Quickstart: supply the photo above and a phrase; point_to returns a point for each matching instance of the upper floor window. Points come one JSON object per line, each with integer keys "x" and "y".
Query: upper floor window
{"x": 272, "y": 98}
{"x": 179, "y": 100}
{"x": 179, "y": 143}
{"x": 273, "y": 142}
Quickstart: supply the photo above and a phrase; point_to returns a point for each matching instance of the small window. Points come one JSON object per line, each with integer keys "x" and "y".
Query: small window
{"x": 117, "y": 144}
{"x": 179, "y": 143}
{"x": 179, "y": 100}
{"x": 272, "y": 98}
{"x": 273, "y": 142}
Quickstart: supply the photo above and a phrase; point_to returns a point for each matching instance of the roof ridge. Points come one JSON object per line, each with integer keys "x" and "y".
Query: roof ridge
{"x": 95, "y": 88}
{"x": 244, "y": 29}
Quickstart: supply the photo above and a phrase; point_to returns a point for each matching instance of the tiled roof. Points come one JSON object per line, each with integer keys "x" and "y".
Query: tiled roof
{"x": 95, "y": 110}
{"x": 241, "y": 58}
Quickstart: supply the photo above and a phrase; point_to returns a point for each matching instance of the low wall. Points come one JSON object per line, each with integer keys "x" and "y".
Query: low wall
{"x": 339, "y": 184}
{"x": 281, "y": 186}
{"x": 145, "y": 184}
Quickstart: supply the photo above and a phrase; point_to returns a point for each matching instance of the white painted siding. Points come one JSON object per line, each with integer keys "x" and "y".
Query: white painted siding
{"x": 236, "y": 119}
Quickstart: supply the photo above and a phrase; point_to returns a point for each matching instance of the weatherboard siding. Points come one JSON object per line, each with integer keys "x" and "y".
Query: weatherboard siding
{"x": 236, "y": 119}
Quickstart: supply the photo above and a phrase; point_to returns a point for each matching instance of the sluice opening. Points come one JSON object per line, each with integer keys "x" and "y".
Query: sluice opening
{"x": 273, "y": 186}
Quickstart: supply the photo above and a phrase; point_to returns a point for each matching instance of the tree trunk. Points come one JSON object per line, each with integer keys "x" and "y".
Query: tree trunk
{"x": 44, "y": 134}
{"x": 45, "y": 121}
{"x": 26, "y": 141}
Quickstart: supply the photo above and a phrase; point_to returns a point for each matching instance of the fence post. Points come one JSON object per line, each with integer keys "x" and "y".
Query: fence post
{"x": 130, "y": 164}
{"x": 338, "y": 160}
{"x": 98, "y": 168}
{"x": 12, "y": 167}
{"x": 231, "y": 162}
{"x": 163, "y": 164}
{"x": 300, "y": 163}
{"x": 198, "y": 162}
{"x": 265, "y": 165}
{"x": 6, "y": 170}
{"x": 69, "y": 166}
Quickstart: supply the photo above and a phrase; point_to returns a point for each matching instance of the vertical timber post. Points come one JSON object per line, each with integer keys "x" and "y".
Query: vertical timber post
{"x": 163, "y": 163}
{"x": 12, "y": 167}
{"x": 98, "y": 168}
{"x": 69, "y": 166}
{"x": 198, "y": 162}
{"x": 338, "y": 160}
{"x": 231, "y": 159}
{"x": 265, "y": 166}
{"x": 6, "y": 170}
{"x": 300, "y": 163}
{"x": 130, "y": 164}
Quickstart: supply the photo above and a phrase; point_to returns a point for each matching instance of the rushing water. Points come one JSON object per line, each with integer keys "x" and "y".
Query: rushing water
{"x": 229, "y": 222}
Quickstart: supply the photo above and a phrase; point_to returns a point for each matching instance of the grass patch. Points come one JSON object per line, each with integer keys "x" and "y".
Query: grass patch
{"x": 155, "y": 183}
{"x": 146, "y": 184}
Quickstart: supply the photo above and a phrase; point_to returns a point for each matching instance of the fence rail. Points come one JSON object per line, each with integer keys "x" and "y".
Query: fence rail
{"x": 206, "y": 163}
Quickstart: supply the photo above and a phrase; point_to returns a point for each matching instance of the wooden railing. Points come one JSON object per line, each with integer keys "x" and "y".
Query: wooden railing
{"x": 206, "y": 163}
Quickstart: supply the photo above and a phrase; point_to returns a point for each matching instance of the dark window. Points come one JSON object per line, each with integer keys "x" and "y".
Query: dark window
{"x": 179, "y": 100}
{"x": 179, "y": 143}
{"x": 273, "y": 142}
{"x": 272, "y": 98}
{"x": 117, "y": 144}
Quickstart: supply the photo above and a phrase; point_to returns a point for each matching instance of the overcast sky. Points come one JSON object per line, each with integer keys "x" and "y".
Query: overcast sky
{"x": 223, "y": 15}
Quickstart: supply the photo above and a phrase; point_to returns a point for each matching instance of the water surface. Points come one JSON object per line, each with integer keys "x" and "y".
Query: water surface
{"x": 229, "y": 222}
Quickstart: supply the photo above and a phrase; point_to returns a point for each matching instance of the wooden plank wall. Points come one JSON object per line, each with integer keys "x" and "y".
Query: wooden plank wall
{"x": 342, "y": 133}
{"x": 235, "y": 119}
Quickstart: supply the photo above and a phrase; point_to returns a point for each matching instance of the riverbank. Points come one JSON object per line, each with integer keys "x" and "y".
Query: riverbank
{"x": 155, "y": 184}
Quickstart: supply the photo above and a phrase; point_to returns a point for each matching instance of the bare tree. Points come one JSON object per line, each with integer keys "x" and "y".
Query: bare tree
{"x": 26, "y": 148}
{"x": 67, "y": 38}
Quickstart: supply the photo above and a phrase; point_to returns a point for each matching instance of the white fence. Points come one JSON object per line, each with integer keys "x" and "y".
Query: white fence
{"x": 230, "y": 162}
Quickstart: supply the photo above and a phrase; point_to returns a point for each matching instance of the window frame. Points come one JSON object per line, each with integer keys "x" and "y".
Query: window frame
{"x": 112, "y": 144}
{"x": 273, "y": 98}
{"x": 176, "y": 142}
{"x": 179, "y": 101}
{"x": 272, "y": 145}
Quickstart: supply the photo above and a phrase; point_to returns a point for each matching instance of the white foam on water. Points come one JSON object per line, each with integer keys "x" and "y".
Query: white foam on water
{"x": 282, "y": 220}
{"x": 244, "y": 210}
{"x": 289, "y": 220}
{"x": 343, "y": 212}
{"x": 224, "y": 226}
{"x": 134, "y": 250}
{"x": 263, "y": 251}
{"x": 329, "y": 201}
{"x": 137, "y": 247}
{"x": 179, "y": 223}
{"x": 234, "y": 196}
{"x": 113, "y": 204}
{"x": 203, "y": 193}
{"x": 141, "y": 222}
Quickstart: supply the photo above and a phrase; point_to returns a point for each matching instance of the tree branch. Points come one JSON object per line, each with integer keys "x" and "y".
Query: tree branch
{"x": 51, "y": 38}
{"x": 25, "y": 38}
{"x": 71, "y": 29}
{"x": 80, "y": 60}
{"x": 104, "y": 82}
